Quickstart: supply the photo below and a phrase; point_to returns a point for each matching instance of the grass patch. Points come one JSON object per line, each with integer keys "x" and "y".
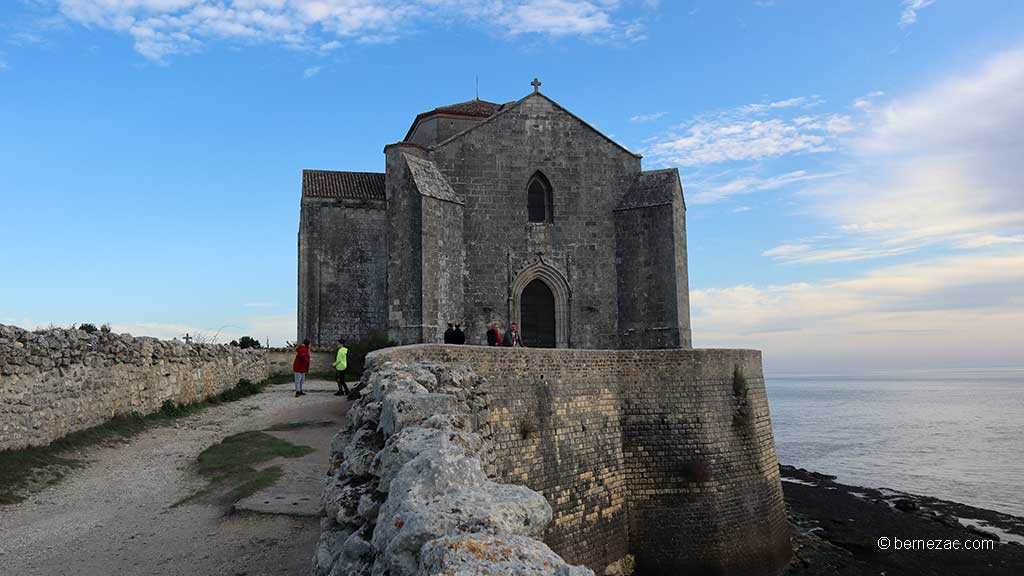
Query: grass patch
{"x": 230, "y": 465}
{"x": 21, "y": 469}
{"x": 286, "y": 426}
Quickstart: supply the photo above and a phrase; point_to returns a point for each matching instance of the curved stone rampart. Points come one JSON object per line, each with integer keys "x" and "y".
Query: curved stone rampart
{"x": 667, "y": 455}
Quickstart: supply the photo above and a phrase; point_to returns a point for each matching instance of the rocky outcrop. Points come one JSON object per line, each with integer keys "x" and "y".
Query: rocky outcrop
{"x": 57, "y": 381}
{"x": 408, "y": 495}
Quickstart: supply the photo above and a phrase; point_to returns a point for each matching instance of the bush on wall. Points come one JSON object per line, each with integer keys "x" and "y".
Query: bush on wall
{"x": 360, "y": 347}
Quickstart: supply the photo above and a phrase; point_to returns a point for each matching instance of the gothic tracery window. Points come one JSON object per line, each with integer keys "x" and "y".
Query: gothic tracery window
{"x": 538, "y": 199}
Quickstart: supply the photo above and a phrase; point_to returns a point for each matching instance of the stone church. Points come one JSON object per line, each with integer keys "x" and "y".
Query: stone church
{"x": 517, "y": 212}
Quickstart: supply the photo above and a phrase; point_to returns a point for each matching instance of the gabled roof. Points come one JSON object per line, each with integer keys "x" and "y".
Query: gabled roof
{"x": 512, "y": 105}
{"x": 429, "y": 180}
{"x": 470, "y": 109}
{"x": 331, "y": 184}
{"x": 652, "y": 188}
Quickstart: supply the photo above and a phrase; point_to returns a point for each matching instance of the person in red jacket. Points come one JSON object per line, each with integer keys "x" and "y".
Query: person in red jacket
{"x": 300, "y": 366}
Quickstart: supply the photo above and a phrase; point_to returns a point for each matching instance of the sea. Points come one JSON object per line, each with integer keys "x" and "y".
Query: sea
{"x": 952, "y": 434}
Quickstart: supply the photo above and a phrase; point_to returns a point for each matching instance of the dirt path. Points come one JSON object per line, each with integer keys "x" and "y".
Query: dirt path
{"x": 116, "y": 515}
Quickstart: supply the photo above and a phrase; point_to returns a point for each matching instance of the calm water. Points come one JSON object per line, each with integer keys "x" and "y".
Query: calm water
{"x": 953, "y": 434}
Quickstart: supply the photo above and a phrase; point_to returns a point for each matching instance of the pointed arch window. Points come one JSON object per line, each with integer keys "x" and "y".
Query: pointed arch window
{"x": 538, "y": 199}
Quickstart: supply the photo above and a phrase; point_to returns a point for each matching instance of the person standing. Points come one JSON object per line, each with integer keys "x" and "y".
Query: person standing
{"x": 494, "y": 335}
{"x": 449, "y": 335}
{"x": 458, "y": 336}
{"x": 512, "y": 338}
{"x": 340, "y": 365}
{"x": 301, "y": 366}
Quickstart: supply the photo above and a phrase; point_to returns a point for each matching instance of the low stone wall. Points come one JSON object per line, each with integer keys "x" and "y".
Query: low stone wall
{"x": 664, "y": 455}
{"x": 408, "y": 493}
{"x": 58, "y": 381}
{"x": 279, "y": 361}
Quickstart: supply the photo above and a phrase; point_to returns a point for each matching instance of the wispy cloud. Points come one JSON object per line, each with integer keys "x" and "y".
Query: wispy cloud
{"x": 910, "y": 9}
{"x": 648, "y": 117}
{"x": 969, "y": 307}
{"x": 749, "y": 184}
{"x": 310, "y": 72}
{"x": 867, "y": 101}
{"x": 751, "y": 132}
{"x": 940, "y": 167}
{"x": 163, "y": 28}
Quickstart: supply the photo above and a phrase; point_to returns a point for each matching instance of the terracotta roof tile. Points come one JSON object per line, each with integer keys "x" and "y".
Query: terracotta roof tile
{"x": 331, "y": 184}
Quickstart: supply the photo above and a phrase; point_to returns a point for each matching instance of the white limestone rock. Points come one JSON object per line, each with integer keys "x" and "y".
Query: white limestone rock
{"x": 329, "y": 548}
{"x": 356, "y": 558}
{"x": 476, "y": 554}
{"x": 415, "y": 440}
{"x": 360, "y": 452}
{"x": 412, "y": 517}
{"x": 401, "y": 409}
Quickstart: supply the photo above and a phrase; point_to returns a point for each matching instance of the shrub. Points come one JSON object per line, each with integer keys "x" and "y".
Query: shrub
{"x": 248, "y": 342}
{"x": 105, "y": 328}
{"x": 87, "y": 327}
{"x": 359, "y": 348}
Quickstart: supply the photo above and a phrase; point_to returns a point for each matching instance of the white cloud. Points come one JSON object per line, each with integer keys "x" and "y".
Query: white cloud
{"x": 958, "y": 309}
{"x": 310, "y": 72}
{"x": 163, "y": 28}
{"x": 867, "y": 101}
{"x": 647, "y": 117}
{"x": 940, "y": 167}
{"x": 910, "y": 9}
{"x": 751, "y": 132}
{"x": 556, "y": 17}
{"x": 706, "y": 194}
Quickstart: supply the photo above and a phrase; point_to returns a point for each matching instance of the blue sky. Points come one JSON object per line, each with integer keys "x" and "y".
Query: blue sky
{"x": 851, "y": 169}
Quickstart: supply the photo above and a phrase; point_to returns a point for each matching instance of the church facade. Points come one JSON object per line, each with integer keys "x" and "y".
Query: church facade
{"x": 517, "y": 212}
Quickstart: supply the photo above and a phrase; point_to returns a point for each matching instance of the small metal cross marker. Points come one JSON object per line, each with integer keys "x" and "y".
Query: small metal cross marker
{"x": 536, "y": 85}
{"x": 188, "y": 339}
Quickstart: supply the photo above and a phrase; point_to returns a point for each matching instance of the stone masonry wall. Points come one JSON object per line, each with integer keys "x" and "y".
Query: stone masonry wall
{"x": 342, "y": 269}
{"x": 490, "y": 168}
{"x": 667, "y": 454}
{"x": 648, "y": 287}
{"x": 408, "y": 495}
{"x": 279, "y": 361}
{"x": 58, "y": 381}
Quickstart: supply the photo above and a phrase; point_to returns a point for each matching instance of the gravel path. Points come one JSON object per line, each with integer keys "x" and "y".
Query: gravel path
{"x": 115, "y": 515}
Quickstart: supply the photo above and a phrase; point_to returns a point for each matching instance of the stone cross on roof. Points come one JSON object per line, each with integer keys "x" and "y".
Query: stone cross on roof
{"x": 536, "y": 85}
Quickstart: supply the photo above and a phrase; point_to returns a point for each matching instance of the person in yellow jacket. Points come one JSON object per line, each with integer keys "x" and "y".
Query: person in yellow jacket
{"x": 340, "y": 365}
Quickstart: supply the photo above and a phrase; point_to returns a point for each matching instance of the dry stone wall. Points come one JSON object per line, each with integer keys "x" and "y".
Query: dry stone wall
{"x": 279, "y": 360}
{"x": 58, "y": 381}
{"x": 408, "y": 494}
{"x": 665, "y": 455}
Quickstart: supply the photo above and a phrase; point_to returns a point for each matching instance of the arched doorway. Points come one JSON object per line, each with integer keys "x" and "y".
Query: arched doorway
{"x": 538, "y": 315}
{"x": 536, "y": 290}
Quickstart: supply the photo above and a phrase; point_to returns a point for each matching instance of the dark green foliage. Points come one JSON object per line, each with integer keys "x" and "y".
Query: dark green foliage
{"x": 248, "y": 342}
{"x": 744, "y": 414}
{"x": 739, "y": 383}
{"x": 359, "y": 348}
{"x": 105, "y": 328}
{"x": 87, "y": 327}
